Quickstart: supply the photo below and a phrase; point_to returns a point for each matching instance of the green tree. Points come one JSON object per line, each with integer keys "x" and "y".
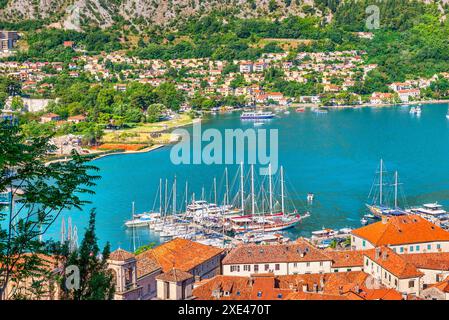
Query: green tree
{"x": 95, "y": 280}
{"x": 36, "y": 194}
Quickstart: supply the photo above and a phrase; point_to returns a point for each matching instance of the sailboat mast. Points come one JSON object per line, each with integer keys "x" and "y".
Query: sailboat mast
{"x": 242, "y": 192}
{"x": 215, "y": 190}
{"x": 381, "y": 181}
{"x": 227, "y": 186}
{"x": 271, "y": 188}
{"x": 174, "y": 196}
{"x": 166, "y": 198}
{"x": 395, "y": 189}
{"x": 133, "y": 234}
{"x": 187, "y": 195}
{"x": 160, "y": 195}
{"x": 282, "y": 190}
{"x": 252, "y": 190}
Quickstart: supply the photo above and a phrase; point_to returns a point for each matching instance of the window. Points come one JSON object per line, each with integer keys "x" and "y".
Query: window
{"x": 395, "y": 282}
{"x": 336, "y": 270}
{"x": 385, "y": 275}
{"x": 411, "y": 284}
{"x": 259, "y": 294}
{"x": 247, "y": 267}
{"x": 267, "y": 267}
{"x": 417, "y": 248}
{"x": 321, "y": 263}
{"x": 280, "y": 296}
{"x": 348, "y": 270}
{"x": 256, "y": 268}
{"x": 308, "y": 264}
{"x": 429, "y": 247}
{"x": 402, "y": 249}
{"x": 367, "y": 262}
{"x": 235, "y": 268}
{"x": 411, "y": 248}
{"x": 277, "y": 267}
{"x": 389, "y": 278}
{"x": 364, "y": 243}
{"x": 438, "y": 246}
{"x": 295, "y": 264}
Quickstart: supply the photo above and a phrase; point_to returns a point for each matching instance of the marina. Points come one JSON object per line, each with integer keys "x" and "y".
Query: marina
{"x": 315, "y": 161}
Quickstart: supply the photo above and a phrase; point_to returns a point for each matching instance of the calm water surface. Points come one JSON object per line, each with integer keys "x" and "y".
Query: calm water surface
{"x": 333, "y": 155}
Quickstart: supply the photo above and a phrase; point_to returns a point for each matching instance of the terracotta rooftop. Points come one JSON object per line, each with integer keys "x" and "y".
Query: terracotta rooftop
{"x": 434, "y": 261}
{"x": 146, "y": 263}
{"x": 121, "y": 255}
{"x": 183, "y": 254}
{"x": 393, "y": 262}
{"x": 341, "y": 259}
{"x": 259, "y": 287}
{"x": 300, "y": 251}
{"x": 174, "y": 275}
{"x": 401, "y": 230}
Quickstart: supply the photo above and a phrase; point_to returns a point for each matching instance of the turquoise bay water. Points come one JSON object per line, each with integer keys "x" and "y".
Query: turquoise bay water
{"x": 333, "y": 155}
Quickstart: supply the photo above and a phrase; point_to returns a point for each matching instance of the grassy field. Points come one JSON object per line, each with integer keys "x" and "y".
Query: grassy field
{"x": 147, "y": 133}
{"x": 285, "y": 44}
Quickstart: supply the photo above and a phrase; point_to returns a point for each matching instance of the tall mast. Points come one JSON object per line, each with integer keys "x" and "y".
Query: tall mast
{"x": 215, "y": 190}
{"x": 187, "y": 195}
{"x": 395, "y": 189}
{"x": 166, "y": 205}
{"x": 242, "y": 193}
{"x": 202, "y": 193}
{"x": 282, "y": 189}
{"x": 227, "y": 186}
{"x": 271, "y": 188}
{"x": 160, "y": 196}
{"x": 381, "y": 181}
{"x": 252, "y": 190}
{"x": 133, "y": 234}
{"x": 174, "y": 196}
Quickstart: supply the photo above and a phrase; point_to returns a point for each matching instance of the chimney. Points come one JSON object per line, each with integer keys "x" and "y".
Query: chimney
{"x": 322, "y": 282}
{"x": 377, "y": 256}
{"x": 384, "y": 255}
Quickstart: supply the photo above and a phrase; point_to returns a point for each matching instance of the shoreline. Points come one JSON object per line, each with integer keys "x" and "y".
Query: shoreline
{"x": 144, "y": 150}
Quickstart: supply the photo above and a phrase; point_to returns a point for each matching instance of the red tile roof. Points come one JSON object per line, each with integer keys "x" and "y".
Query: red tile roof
{"x": 146, "y": 263}
{"x": 393, "y": 262}
{"x": 401, "y": 230}
{"x": 348, "y": 258}
{"x": 434, "y": 261}
{"x": 300, "y": 251}
{"x": 174, "y": 275}
{"x": 121, "y": 255}
{"x": 183, "y": 254}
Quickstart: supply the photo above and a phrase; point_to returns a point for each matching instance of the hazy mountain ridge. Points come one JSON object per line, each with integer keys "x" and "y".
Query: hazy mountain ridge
{"x": 144, "y": 12}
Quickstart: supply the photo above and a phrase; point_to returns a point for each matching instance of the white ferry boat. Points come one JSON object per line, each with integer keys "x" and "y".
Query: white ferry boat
{"x": 257, "y": 115}
{"x": 433, "y": 212}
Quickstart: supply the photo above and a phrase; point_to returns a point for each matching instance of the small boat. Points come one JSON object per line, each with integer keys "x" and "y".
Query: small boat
{"x": 257, "y": 115}
{"x": 300, "y": 109}
{"x": 258, "y": 123}
{"x": 310, "y": 197}
{"x": 447, "y": 116}
{"x": 286, "y": 112}
{"x": 416, "y": 110}
{"x": 320, "y": 110}
{"x": 364, "y": 221}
